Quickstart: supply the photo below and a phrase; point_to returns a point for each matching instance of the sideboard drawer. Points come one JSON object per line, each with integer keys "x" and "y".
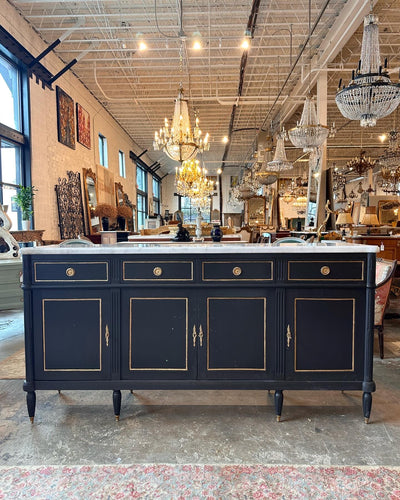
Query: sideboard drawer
{"x": 70, "y": 272}
{"x": 166, "y": 270}
{"x": 322, "y": 270}
{"x": 237, "y": 270}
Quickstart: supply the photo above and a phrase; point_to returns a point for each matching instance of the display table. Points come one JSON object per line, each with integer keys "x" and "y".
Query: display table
{"x": 199, "y": 316}
{"x": 28, "y": 236}
{"x": 166, "y": 238}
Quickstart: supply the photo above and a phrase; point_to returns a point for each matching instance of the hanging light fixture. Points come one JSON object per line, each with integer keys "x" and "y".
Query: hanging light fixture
{"x": 391, "y": 156}
{"x": 308, "y": 134}
{"x": 370, "y": 94}
{"x": 280, "y": 163}
{"x": 191, "y": 181}
{"x": 360, "y": 164}
{"x": 179, "y": 141}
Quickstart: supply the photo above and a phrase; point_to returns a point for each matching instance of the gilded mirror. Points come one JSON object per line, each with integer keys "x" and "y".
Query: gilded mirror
{"x": 256, "y": 210}
{"x": 91, "y": 199}
{"x": 388, "y": 212}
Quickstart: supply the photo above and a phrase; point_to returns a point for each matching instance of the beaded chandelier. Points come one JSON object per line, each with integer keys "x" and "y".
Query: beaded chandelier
{"x": 370, "y": 94}
{"x": 308, "y": 134}
{"x": 391, "y": 156}
{"x": 280, "y": 163}
{"x": 179, "y": 141}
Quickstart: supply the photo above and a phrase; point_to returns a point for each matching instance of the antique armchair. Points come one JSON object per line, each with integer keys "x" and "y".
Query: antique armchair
{"x": 385, "y": 270}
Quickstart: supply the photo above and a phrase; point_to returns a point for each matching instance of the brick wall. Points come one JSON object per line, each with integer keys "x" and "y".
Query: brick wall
{"x": 51, "y": 159}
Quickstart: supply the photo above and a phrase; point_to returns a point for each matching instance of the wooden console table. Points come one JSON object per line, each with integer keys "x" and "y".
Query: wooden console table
{"x": 28, "y": 236}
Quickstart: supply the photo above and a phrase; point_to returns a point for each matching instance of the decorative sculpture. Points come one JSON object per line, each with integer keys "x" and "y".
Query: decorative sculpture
{"x": 8, "y": 245}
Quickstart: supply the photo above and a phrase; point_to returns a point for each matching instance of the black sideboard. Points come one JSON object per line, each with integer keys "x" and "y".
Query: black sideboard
{"x": 270, "y": 319}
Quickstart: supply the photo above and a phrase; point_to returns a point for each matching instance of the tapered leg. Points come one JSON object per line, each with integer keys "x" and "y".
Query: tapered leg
{"x": 380, "y": 338}
{"x": 31, "y": 403}
{"x": 117, "y": 403}
{"x": 367, "y": 403}
{"x": 278, "y": 404}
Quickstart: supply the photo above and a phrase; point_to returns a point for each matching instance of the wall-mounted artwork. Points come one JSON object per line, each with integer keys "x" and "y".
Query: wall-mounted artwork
{"x": 82, "y": 126}
{"x": 65, "y": 118}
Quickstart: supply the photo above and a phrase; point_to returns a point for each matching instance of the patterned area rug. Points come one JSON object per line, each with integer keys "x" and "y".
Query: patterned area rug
{"x": 199, "y": 481}
{"x": 13, "y": 367}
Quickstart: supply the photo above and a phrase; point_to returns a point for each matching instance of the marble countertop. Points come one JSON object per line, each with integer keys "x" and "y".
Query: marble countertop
{"x": 201, "y": 248}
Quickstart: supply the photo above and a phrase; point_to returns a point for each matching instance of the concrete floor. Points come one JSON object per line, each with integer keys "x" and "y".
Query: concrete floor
{"x": 219, "y": 427}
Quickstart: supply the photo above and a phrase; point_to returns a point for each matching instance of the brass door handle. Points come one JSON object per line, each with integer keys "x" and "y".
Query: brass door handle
{"x": 157, "y": 271}
{"x": 237, "y": 271}
{"x": 194, "y": 335}
{"x": 70, "y": 271}
{"x": 325, "y": 270}
{"x": 201, "y": 335}
{"x": 288, "y": 336}
{"x": 107, "y": 335}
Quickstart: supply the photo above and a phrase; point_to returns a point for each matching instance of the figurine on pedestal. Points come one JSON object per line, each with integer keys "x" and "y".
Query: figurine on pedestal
{"x": 182, "y": 234}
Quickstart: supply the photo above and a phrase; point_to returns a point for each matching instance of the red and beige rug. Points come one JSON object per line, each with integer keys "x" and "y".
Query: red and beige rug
{"x": 209, "y": 482}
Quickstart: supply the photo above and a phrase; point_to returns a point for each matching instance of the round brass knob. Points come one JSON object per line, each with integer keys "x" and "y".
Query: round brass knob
{"x": 325, "y": 270}
{"x": 237, "y": 271}
{"x": 70, "y": 271}
{"x": 157, "y": 271}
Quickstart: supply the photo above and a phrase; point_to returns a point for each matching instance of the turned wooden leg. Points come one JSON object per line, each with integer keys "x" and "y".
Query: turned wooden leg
{"x": 31, "y": 404}
{"x": 117, "y": 403}
{"x": 367, "y": 404}
{"x": 278, "y": 404}
{"x": 380, "y": 338}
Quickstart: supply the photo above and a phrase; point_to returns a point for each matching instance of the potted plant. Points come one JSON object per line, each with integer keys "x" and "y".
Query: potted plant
{"x": 124, "y": 213}
{"x": 105, "y": 212}
{"x": 24, "y": 199}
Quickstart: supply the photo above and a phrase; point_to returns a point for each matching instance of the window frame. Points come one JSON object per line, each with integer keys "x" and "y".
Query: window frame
{"x": 143, "y": 194}
{"x": 103, "y": 151}
{"x": 18, "y": 138}
{"x": 122, "y": 164}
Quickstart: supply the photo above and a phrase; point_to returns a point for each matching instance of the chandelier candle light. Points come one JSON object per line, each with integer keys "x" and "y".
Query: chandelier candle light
{"x": 179, "y": 141}
{"x": 370, "y": 94}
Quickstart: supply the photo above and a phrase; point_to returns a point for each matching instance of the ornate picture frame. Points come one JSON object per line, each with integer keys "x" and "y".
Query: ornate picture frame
{"x": 65, "y": 118}
{"x": 82, "y": 126}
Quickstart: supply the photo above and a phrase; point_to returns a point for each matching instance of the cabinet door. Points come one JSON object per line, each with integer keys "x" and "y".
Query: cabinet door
{"x": 156, "y": 330}
{"x": 324, "y": 336}
{"x": 236, "y": 330}
{"x": 72, "y": 334}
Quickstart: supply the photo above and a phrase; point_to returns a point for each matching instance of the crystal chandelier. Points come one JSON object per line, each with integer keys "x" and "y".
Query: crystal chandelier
{"x": 308, "y": 134}
{"x": 179, "y": 141}
{"x": 280, "y": 163}
{"x": 370, "y": 94}
{"x": 360, "y": 164}
{"x": 191, "y": 181}
{"x": 391, "y": 157}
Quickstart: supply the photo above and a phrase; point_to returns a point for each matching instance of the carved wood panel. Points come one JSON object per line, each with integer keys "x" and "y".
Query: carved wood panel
{"x": 70, "y": 207}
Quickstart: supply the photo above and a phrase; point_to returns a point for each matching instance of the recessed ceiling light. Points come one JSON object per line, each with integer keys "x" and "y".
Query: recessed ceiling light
{"x": 225, "y": 139}
{"x": 245, "y": 44}
{"x": 383, "y": 137}
{"x": 142, "y": 46}
{"x": 196, "y": 45}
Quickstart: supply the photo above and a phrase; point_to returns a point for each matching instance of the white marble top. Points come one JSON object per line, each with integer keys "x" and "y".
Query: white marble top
{"x": 201, "y": 248}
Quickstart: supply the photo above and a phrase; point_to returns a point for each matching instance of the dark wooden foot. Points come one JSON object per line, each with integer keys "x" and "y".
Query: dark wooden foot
{"x": 367, "y": 404}
{"x": 31, "y": 403}
{"x": 117, "y": 404}
{"x": 59, "y": 391}
{"x": 380, "y": 338}
{"x": 278, "y": 404}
